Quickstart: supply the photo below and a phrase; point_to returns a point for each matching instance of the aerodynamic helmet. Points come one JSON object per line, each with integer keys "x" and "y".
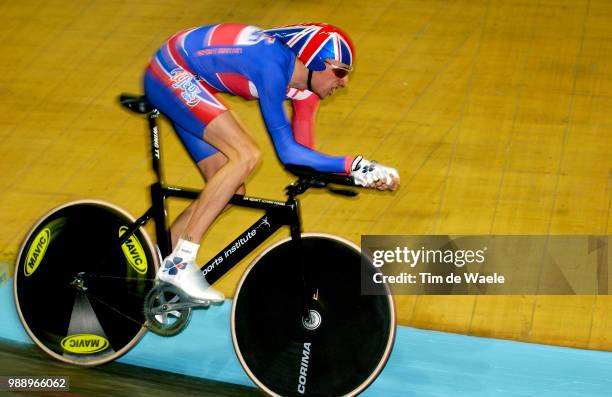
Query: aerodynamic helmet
{"x": 312, "y": 43}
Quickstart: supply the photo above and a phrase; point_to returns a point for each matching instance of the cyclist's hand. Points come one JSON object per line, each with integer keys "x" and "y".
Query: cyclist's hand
{"x": 373, "y": 175}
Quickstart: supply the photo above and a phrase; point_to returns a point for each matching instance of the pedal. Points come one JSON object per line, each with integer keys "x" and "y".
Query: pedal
{"x": 199, "y": 303}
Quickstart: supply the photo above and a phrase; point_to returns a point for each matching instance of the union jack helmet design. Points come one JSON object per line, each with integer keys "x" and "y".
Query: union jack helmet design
{"x": 314, "y": 42}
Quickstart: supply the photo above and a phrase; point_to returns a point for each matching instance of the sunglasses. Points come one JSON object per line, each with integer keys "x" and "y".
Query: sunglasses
{"x": 339, "y": 71}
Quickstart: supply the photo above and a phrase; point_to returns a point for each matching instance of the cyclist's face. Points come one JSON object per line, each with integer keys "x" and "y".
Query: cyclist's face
{"x": 334, "y": 76}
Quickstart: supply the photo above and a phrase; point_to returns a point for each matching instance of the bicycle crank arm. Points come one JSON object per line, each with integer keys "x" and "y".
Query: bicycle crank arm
{"x": 169, "y": 307}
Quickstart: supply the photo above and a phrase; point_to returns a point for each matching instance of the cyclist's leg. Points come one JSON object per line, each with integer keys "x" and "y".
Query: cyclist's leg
{"x": 192, "y": 106}
{"x": 226, "y": 134}
{"x": 209, "y": 160}
{"x": 187, "y": 102}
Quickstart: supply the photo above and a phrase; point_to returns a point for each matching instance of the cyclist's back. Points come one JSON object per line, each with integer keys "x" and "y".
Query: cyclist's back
{"x": 236, "y": 59}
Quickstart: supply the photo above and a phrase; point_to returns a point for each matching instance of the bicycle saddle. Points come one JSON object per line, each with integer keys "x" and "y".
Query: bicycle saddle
{"x": 136, "y": 103}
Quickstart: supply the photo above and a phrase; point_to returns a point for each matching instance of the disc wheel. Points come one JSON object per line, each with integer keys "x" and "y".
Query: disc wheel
{"x": 337, "y": 348}
{"x": 78, "y": 293}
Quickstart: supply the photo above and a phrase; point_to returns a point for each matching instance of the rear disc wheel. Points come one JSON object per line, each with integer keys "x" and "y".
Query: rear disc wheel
{"x": 79, "y": 295}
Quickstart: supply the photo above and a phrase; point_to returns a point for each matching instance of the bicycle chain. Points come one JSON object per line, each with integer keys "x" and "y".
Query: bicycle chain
{"x": 119, "y": 277}
{"x": 114, "y": 309}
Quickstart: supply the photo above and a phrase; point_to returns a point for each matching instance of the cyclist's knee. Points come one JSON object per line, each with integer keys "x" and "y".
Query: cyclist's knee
{"x": 254, "y": 158}
{"x": 248, "y": 159}
{"x": 245, "y": 160}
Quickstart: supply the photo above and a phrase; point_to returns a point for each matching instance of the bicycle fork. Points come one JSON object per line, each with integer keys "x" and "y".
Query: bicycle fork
{"x": 310, "y": 294}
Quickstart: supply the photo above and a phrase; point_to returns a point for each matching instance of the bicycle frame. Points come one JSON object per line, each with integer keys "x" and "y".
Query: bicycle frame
{"x": 277, "y": 215}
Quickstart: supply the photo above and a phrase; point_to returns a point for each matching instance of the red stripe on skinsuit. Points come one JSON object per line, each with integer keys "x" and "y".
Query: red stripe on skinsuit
{"x": 237, "y": 84}
{"x": 176, "y": 54}
{"x": 226, "y": 34}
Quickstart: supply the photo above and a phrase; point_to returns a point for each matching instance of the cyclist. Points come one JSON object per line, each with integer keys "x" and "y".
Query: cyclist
{"x": 303, "y": 63}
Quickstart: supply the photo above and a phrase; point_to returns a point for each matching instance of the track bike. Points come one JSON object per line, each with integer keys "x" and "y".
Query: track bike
{"x": 86, "y": 293}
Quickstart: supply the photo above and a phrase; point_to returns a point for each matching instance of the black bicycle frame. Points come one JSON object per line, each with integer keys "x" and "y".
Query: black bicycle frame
{"x": 277, "y": 214}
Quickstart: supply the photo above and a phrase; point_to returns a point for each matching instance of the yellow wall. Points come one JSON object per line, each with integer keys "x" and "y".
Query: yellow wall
{"x": 497, "y": 114}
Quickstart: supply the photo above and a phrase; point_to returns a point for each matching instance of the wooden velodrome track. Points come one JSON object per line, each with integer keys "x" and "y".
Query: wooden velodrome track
{"x": 498, "y": 115}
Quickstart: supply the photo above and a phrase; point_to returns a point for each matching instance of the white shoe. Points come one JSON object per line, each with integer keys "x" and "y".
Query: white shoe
{"x": 186, "y": 276}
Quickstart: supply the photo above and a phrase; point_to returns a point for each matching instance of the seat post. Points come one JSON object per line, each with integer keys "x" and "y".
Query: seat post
{"x": 158, "y": 195}
{"x": 155, "y": 146}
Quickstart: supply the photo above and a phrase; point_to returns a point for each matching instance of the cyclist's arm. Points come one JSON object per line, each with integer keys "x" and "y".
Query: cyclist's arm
{"x": 288, "y": 150}
{"x": 305, "y": 105}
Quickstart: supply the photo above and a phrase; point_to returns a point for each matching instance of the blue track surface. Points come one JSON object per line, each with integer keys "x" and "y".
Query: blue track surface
{"x": 423, "y": 363}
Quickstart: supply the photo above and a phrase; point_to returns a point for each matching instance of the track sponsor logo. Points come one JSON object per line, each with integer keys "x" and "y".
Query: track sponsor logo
{"x": 303, "y": 378}
{"x": 133, "y": 252}
{"x": 84, "y": 343}
{"x": 37, "y": 251}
